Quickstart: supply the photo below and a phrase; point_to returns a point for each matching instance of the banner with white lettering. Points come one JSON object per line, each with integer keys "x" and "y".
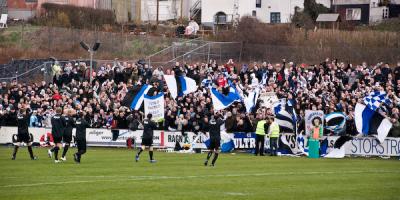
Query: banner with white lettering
{"x": 154, "y": 105}
{"x": 314, "y": 120}
{"x": 368, "y": 146}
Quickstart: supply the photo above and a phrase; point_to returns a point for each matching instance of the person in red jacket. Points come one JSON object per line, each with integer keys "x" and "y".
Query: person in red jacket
{"x": 46, "y": 140}
{"x": 221, "y": 81}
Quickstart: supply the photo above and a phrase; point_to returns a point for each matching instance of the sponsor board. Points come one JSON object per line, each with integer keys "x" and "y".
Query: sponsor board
{"x": 368, "y": 146}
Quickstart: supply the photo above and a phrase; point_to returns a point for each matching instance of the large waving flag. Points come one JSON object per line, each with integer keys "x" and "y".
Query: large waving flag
{"x": 284, "y": 118}
{"x": 285, "y": 115}
{"x": 375, "y": 99}
{"x": 221, "y": 101}
{"x": 369, "y": 121}
{"x": 134, "y": 98}
{"x": 335, "y": 122}
{"x": 251, "y": 100}
{"x": 180, "y": 85}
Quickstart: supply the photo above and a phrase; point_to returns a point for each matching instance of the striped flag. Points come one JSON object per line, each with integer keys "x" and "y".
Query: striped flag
{"x": 335, "y": 122}
{"x": 134, "y": 98}
{"x": 371, "y": 122}
{"x": 180, "y": 85}
{"x": 284, "y": 118}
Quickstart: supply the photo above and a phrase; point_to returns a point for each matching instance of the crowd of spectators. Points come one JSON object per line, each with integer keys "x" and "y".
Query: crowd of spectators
{"x": 330, "y": 86}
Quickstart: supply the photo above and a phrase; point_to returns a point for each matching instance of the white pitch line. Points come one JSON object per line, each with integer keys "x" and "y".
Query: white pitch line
{"x": 137, "y": 178}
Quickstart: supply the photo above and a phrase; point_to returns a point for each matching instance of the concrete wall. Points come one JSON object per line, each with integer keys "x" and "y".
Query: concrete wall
{"x": 170, "y": 9}
{"x": 376, "y": 14}
{"x": 122, "y": 10}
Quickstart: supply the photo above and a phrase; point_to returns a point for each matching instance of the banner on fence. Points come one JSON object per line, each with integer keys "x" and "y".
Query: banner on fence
{"x": 368, "y": 146}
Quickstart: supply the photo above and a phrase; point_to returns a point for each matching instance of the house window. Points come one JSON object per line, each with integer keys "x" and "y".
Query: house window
{"x": 275, "y": 17}
{"x": 254, "y": 13}
{"x": 385, "y": 13}
{"x": 353, "y": 14}
{"x": 220, "y": 18}
{"x": 258, "y": 3}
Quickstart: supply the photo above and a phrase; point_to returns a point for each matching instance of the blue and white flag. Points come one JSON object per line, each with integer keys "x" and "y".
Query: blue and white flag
{"x": 221, "y": 101}
{"x": 207, "y": 83}
{"x": 371, "y": 122}
{"x": 375, "y": 99}
{"x": 264, "y": 78}
{"x": 335, "y": 122}
{"x": 134, "y": 98}
{"x": 285, "y": 114}
{"x": 285, "y": 120}
{"x": 179, "y": 86}
{"x": 251, "y": 100}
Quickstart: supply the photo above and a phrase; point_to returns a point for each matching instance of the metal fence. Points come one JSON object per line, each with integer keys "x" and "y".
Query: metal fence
{"x": 196, "y": 51}
{"x": 42, "y": 72}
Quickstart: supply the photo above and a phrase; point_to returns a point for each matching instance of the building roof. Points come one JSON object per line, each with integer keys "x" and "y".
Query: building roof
{"x": 328, "y": 17}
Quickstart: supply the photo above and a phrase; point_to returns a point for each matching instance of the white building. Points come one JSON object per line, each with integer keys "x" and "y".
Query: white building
{"x": 267, "y": 11}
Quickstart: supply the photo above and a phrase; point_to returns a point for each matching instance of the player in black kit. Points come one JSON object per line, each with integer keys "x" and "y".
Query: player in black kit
{"x": 23, "y": 133}
{"x": 58, "y": 125}
{"x": 214, "y": 127}
{"x": 67, "y": 136}
{"x": 147, "y": 138}
{"x": 81, "y": 125}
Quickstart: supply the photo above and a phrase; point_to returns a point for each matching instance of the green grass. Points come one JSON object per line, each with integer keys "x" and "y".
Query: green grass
{"x": 112, "y": 174}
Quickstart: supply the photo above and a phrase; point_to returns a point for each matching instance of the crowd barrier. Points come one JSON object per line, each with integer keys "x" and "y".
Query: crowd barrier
{"x": 365, "y": 146}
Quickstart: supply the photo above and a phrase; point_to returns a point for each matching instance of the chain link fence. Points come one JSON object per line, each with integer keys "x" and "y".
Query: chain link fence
{"x": 196, "y": 51}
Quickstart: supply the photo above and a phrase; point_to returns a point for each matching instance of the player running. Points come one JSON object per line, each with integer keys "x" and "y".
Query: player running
{"x": 58, "y": 125}
{"x": 214, "y": 127}
{"x": 147, "y": 138}
{"x": 81, "y": 125}
{"x": 23, "y": 133}
{"x": 67, "y": 136}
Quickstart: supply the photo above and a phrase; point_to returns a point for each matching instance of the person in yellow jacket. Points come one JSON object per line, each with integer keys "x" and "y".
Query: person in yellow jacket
{"x": 261, "y": 130}
{"x": 273, "y": 133}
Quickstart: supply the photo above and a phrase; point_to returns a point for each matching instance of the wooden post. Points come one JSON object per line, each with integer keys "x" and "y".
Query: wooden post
{"x": 181, "y": 10}
{"x": 158, "y": 10}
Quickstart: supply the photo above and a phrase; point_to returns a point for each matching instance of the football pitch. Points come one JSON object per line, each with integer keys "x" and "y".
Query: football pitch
{"x": 107, "y": 173}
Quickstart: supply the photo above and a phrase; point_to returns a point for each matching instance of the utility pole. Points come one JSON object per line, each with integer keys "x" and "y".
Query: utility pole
{"x": 158, "y": 10}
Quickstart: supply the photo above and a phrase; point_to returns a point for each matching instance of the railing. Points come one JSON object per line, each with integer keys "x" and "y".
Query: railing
{"x": 203, "y": 52}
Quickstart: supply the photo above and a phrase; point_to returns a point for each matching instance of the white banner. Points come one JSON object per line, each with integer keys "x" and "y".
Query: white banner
{"x": 6, "y": 133}
{"x": 154, "y": 105}
{"x": 313, "y": 118}
{"x": 368, "y": 146}
{"x": 268, "y": 99}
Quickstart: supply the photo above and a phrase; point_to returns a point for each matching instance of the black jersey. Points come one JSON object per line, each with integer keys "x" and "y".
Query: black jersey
{"x": 69, "y": 125}
{"x": 215, "y": 129}
{"x": 148, "y": 127}
{"x": 58, "y": 125}
{"x": 23, "y": 124}
{"x": 81, "y": 125}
